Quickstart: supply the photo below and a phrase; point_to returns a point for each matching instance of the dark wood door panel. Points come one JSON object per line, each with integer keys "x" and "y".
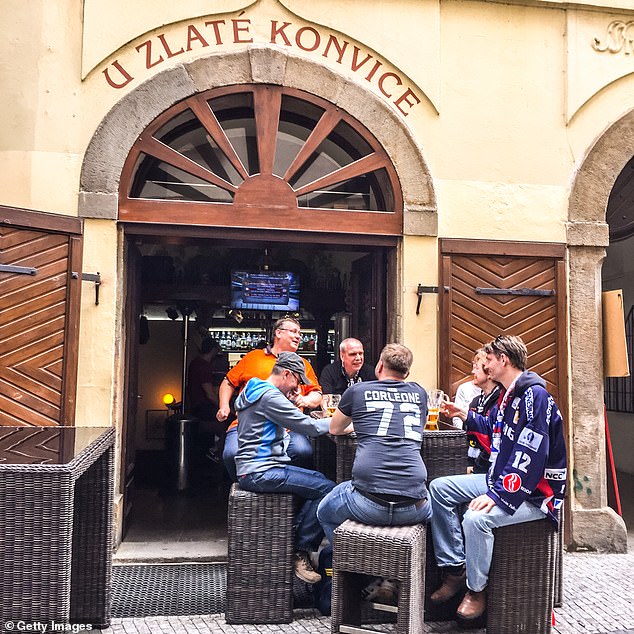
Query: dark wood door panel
{"x": 38, "y": 318}
{"x": 476, "y": 307}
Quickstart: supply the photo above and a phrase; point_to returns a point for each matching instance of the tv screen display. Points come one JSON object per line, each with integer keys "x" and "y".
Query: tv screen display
{"x": 265, "y": 290}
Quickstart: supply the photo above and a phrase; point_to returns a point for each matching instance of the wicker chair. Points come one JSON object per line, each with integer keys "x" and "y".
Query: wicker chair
{"x": 444, "y": 453}
{"x": 521, "y": 580}
{"x": 260, "y": 557}
{"x": 393, "y": 552}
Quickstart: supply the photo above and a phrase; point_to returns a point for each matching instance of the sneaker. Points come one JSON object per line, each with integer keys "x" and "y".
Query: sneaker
{"x": 383, "y": 591}
{"x": 304, "y": 569}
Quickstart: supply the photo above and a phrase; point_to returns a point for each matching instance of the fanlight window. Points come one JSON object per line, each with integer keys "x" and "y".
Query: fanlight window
{"x": 250, "y": 152}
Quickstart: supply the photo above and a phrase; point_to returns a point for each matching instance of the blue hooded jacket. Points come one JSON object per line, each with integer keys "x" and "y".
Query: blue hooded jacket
{"x": 264, "y": 415}
{"x": 528, "y": 450}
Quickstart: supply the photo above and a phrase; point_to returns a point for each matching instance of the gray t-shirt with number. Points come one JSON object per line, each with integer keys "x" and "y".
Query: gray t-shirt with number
{"x": 388, "y": 417}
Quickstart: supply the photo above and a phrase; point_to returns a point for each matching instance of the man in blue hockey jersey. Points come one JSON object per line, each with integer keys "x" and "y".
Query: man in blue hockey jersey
{"x": 266, "y": 413}
{"x": 525, "y": 482}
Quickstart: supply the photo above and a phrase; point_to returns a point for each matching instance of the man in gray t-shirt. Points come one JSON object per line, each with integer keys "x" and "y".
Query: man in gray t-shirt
{"x": 388, "y": 475}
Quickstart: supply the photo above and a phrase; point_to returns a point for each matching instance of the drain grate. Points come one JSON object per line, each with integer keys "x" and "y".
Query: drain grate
{"x": 168, "y": 590}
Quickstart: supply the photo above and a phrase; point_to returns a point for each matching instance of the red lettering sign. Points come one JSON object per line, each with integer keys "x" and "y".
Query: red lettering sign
{"x": 306, "y": 38}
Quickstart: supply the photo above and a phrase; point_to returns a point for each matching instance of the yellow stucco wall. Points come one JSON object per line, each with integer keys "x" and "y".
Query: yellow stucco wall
{"x": 512, "y": 98}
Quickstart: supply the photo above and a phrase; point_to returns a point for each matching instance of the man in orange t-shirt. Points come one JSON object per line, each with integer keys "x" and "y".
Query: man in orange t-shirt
{"x": 259, "y": 363}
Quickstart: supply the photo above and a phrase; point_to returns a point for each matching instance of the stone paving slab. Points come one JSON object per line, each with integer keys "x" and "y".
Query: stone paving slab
{"x": 598, "y": 598}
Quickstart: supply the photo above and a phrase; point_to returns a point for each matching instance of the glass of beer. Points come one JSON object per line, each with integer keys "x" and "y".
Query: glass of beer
{"x": 330, "y": 403}
{"x": 434, "y": 399}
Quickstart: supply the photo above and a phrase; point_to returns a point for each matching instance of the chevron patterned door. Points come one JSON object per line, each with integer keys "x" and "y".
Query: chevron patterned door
{"x": 492, "y": 288}
{"x": 39, "y": 304}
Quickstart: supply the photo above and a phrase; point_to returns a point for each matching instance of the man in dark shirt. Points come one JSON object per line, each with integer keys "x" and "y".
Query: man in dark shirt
{"x": 349, "y": 369}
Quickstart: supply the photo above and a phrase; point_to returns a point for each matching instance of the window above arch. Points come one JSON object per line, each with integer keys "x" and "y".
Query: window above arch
{"x": 261, "y": 156}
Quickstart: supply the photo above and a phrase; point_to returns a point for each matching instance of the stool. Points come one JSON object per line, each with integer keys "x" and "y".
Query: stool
{"x": 260, "y": 557}
{"x": 393, "y": 552}
{"x": 521, "y": 579}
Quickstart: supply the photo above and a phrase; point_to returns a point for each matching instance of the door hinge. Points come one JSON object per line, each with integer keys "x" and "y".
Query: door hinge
{"x": 90, "y": 277}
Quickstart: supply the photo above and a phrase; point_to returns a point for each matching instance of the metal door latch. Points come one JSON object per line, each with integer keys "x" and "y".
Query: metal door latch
{"x": 427, "y": 289}
{"x": 20, "y": 270}
{"x": 90, "y": 277}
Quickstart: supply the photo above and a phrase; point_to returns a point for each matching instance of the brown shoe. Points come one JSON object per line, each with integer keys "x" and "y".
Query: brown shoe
{"x": 473, "y": 605}
{"x": 451, "y": 586}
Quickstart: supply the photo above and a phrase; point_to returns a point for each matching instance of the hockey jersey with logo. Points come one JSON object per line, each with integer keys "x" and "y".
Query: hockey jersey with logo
{"x": 528, "y": 451}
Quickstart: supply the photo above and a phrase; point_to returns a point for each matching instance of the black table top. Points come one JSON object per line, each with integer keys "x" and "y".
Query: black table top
{"x": 45, "y": 445}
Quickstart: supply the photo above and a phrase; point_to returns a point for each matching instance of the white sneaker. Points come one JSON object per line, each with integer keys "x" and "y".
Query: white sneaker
{"x": 382, "y": 591}
{"x": 304, "y": 569}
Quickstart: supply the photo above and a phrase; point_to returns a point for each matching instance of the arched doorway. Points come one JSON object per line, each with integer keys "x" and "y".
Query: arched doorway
{"x": 335, "y": 235}
{"x": 618, "y": 274}
{"x": 258, "y": 172}
{"x": 594, "y": 524}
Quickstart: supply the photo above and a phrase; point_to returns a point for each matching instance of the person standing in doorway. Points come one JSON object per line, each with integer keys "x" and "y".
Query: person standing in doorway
{"x": 203, "y": 395}
{"x": 349, "y": 369}
{"x": 258, "y": 364}
{"x": 525, "y": 481}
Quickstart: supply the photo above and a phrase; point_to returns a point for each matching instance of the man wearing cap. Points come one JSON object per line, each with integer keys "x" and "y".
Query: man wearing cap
{"x": 266, "y": 411}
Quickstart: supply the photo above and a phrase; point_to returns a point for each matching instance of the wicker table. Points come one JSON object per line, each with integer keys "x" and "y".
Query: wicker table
{"x": 56, "y": 496}
{"x": 444, "y": 453}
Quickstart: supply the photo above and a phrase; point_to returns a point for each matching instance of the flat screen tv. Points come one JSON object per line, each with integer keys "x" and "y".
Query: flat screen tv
{"x": 265, "y": 290}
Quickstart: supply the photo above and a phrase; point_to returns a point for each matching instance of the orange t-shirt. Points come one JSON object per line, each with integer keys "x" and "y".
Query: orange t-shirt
{"x": 259, "y": 363}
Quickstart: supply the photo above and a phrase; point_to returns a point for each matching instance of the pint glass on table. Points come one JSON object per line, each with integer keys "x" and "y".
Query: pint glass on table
{"x": 330, "y": 402}
{"x": 434, "y": 399}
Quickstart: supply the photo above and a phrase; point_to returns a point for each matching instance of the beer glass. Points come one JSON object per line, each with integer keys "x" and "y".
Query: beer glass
{"x": 434, "y": 399}
{"x": 330, "y": 402}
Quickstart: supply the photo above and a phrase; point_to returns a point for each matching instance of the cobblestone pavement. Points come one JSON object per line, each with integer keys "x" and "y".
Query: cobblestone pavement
{"x": 598, "y": 597}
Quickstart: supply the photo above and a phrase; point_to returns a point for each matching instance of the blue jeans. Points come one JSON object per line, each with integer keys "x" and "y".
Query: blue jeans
{"x": 307, "y": 484}
{"x": 299, "y": 450}
{"x": 346, "y": 503}
{"x": 447, "y": 495}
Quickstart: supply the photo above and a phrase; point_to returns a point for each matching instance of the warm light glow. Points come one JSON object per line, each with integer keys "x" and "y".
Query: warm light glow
{"x": 168, "y": 398}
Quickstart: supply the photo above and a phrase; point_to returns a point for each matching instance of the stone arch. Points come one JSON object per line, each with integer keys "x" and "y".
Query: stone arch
{"x": 594, "y": 524}
{"x": 111, "y": 143}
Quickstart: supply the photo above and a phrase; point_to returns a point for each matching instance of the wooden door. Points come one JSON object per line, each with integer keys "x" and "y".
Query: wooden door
{"x": 491, "y": 288}
{"x": 132, "y": 258}
{"x": 40, "y": 286}
{"x": 368, "y": 279}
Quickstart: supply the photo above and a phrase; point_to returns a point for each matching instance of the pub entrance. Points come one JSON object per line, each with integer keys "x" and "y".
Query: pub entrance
{"x": 341, "y": 291}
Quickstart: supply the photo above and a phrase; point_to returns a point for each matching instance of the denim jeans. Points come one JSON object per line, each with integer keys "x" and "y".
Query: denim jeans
{"x": 307, "y": 484}
{"x": 447, "y": 495}
{"x": 299, "y": 450}
{"x": 346, "y": 503}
